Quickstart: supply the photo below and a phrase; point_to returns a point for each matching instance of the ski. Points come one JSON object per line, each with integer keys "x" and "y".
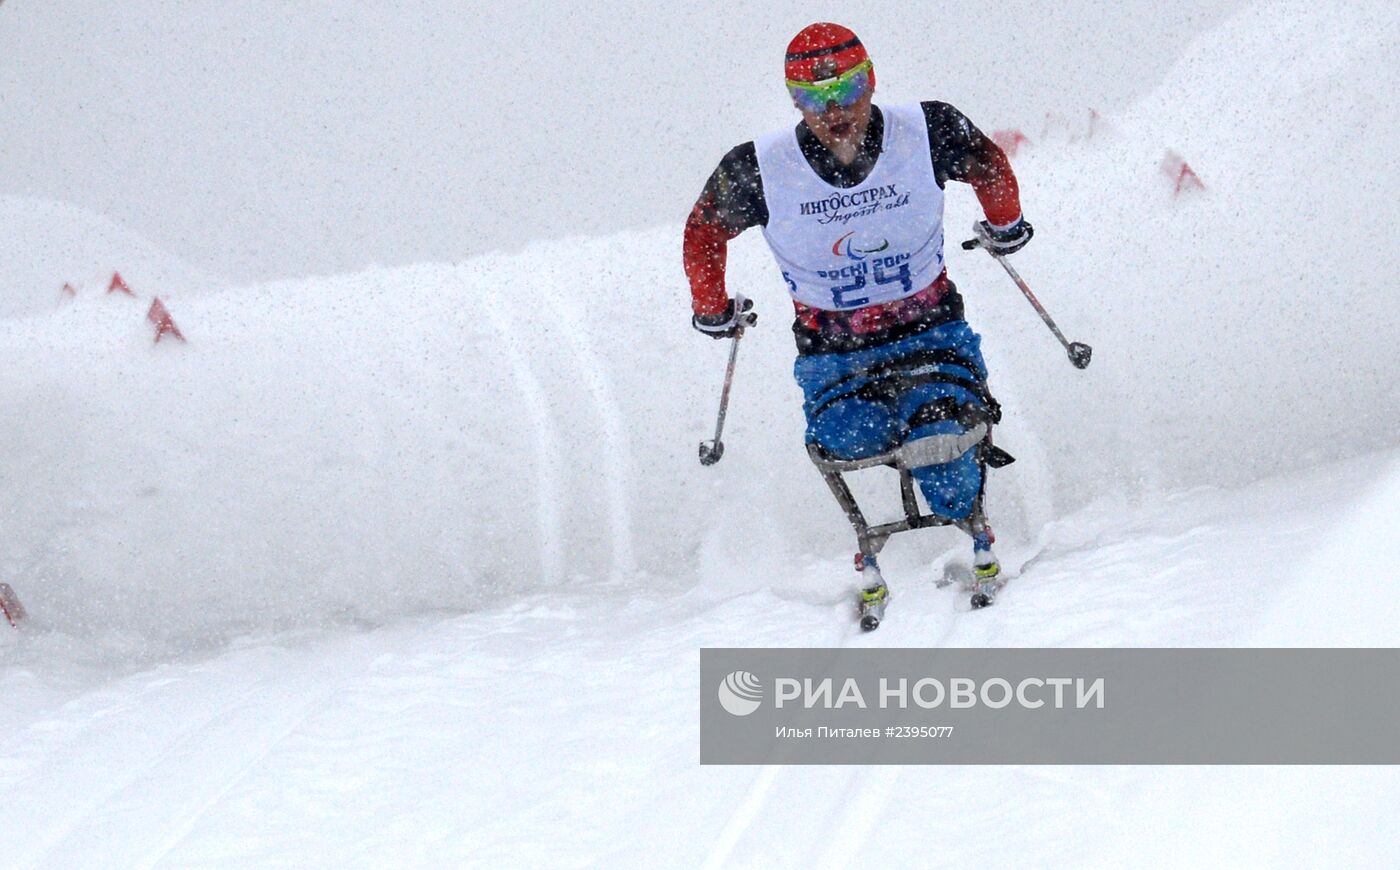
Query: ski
{"x": 988, "y": 581}
{"x": 871, "y": 606}
{"x": 874, "y": 596}
{"x": 981, "y": 584}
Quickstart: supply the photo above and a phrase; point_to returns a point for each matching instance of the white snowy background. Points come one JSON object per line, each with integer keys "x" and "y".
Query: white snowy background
{"x": 410, "y": 565}
{"x": 266, "y": 138}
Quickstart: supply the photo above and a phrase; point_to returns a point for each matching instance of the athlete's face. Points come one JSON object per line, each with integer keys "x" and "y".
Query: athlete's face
{"x": 841, "y": 128}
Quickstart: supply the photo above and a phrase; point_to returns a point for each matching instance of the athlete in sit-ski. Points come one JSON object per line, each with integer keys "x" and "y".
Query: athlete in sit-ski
{"x": 851, "y": 203}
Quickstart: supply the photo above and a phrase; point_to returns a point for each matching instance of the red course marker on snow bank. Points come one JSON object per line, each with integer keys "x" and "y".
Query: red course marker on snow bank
{"x": 163, "y": 321}
{"x": 9, "y": 604}
{"x": 1010, "y": 141}
{"x": 1180, "y": 172}
{"x": 118, "y": 285}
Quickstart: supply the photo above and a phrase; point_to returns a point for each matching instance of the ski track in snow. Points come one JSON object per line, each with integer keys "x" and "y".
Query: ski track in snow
{"x": 743, "y": 818}
{"x": 549, "y": 464}
{"x": 869, "y": 795}
{"x": 438, "y": 742}
{"x": 58, "y": 830}
{"x": 190, "y": 761}
{"x": 616, "y": 447}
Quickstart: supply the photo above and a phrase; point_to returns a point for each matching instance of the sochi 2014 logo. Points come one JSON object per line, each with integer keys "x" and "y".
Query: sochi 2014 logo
{"x": 858, "y": 249}
{"x": 740, "y": 693}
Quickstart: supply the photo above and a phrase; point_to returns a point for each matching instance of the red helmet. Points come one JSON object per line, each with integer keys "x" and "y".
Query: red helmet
{"x": 823, "y": 50}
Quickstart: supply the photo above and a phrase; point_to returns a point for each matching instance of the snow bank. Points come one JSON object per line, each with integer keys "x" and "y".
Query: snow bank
{"x": 47, "y": 244}
{"x": 1242, "y": 330}
{"x": 364, "y": 446}
{"x": 359, "y": 447}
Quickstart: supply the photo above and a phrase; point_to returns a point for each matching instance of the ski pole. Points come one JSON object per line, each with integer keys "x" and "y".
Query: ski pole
{"x": 711, "y": 451}
{"x": 1079, "y": 353}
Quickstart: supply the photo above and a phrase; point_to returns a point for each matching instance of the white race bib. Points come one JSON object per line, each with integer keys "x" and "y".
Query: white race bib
{"x": 846, "y": 248}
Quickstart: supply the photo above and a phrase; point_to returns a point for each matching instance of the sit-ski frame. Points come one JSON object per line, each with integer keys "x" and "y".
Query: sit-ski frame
{"x": 872, "y": 539}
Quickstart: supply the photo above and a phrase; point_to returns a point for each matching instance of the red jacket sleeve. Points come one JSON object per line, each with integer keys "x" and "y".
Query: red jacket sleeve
{"x": 996, "y": 187}
{"x": 731, "y": 202}
{"x": 706, "y": 254}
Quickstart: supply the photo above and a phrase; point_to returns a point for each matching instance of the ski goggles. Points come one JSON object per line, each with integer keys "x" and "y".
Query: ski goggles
{"x": 843, "y": 90}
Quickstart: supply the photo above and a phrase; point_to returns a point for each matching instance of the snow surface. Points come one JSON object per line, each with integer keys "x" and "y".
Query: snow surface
{"x": 412, "y": 566}
{"x": 559, "y": 728}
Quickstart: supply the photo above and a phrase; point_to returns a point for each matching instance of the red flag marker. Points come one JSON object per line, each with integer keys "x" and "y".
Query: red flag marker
{"x": 9, "y": 604}
{"x": 163, "y": 321}
{"x": 1187, "y": 179}
{"x": 119, "y": 285}
{"x": 1010, "y": 141}
{"x": 1182, "y": 175}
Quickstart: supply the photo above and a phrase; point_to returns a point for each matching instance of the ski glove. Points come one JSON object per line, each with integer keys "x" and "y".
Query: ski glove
{"x": 1008, "y": 240}
{"x": 729, "y": 322}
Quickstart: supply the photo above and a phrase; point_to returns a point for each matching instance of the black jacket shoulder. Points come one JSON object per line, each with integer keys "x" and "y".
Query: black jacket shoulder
{"x": 958, "y": 149}
{"x": 733, "y": 196}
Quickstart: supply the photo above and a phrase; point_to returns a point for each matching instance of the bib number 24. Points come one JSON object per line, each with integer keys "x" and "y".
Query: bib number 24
{"x": 845, "y": 296}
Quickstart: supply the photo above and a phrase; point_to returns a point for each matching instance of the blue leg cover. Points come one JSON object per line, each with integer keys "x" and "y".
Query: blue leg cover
{"x": 855, "y": 408}
{"x": 854, "y": 429}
